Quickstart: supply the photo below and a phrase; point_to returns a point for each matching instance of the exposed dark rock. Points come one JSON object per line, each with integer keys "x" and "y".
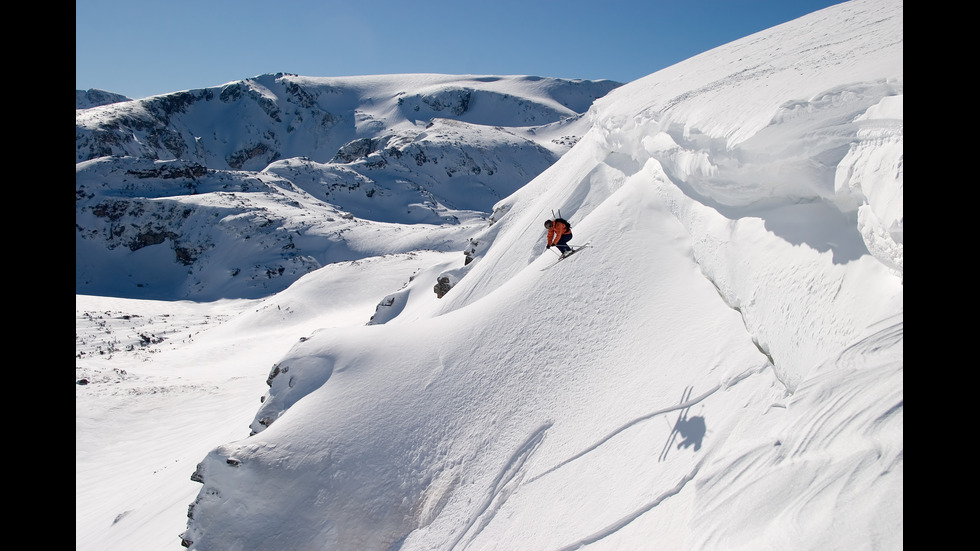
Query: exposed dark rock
{"x": 357, "y": 149}
{"x": 171, "y": 171}
{"x": 442, "y": 287}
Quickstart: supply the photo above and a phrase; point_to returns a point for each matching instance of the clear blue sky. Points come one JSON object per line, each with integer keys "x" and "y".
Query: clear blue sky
{"x": 140, "y": 48}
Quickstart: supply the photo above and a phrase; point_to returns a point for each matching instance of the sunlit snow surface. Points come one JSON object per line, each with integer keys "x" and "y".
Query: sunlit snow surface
{"x": 721, "y": 369}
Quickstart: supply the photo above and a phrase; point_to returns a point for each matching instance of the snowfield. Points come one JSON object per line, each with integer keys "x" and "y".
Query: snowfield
{"x": 721, "y": 369}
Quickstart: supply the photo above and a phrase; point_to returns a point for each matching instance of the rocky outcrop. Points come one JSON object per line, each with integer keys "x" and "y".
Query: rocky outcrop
{"x": 442, "y": 286}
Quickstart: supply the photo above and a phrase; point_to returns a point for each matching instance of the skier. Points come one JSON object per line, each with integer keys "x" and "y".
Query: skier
{"x": 559, "y": 234}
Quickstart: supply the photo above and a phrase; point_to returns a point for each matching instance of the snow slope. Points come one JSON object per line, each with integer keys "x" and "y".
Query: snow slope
{"x": 722, "y": 369}
{"x": 728, "y": 282}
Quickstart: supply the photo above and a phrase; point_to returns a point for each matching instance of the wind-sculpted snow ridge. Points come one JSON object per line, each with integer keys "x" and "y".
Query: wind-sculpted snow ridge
{"x": 826, "y": 144}
{"x": 830, "y": 131}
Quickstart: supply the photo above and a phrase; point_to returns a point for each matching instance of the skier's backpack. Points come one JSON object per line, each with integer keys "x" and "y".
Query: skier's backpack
{"x": 563, "y": 221}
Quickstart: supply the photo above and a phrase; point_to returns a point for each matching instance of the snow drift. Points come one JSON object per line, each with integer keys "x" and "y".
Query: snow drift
{"x": 723, "y": 368}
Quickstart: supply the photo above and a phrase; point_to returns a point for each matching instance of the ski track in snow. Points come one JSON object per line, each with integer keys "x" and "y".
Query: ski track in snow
{"x": 616, "y": 526}
{"x": 511, "y": 478}
{"x": 505, "y": 484}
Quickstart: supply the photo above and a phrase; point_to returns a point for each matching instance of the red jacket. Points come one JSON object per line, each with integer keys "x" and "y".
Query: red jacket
{"x": 555, "y": 232}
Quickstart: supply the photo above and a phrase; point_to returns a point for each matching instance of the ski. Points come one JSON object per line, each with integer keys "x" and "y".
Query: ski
{"x": 574, "y": 250}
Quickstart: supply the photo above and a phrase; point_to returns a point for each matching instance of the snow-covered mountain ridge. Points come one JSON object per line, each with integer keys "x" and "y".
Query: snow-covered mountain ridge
{"x": 250, "y": 123}
{"x": 290, "y": 170}
{"x": 743, "y": 292}
{"x": 85, "y": 99}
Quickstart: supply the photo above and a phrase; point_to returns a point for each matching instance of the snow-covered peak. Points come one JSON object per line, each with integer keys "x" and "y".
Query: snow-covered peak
{"x": 86, "y": 99}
